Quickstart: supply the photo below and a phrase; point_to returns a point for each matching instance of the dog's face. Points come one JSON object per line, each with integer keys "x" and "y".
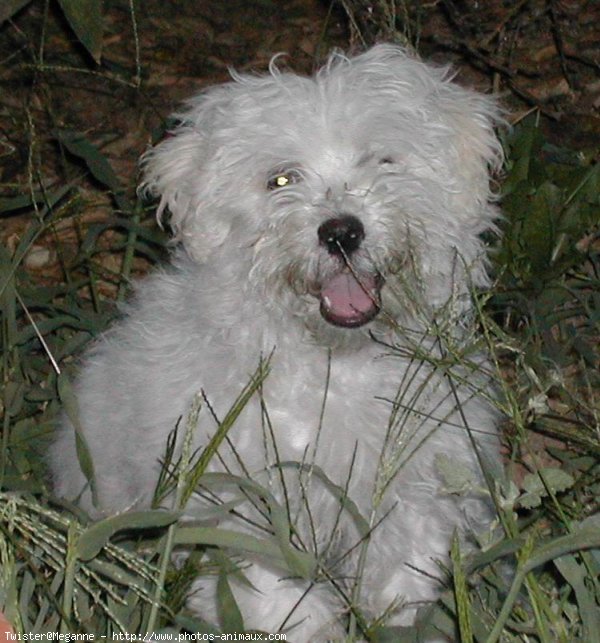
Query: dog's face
{"x": 349, "y": 197}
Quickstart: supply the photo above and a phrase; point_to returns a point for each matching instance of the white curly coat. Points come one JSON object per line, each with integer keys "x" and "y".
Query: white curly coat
{"x": 265, "y": 179}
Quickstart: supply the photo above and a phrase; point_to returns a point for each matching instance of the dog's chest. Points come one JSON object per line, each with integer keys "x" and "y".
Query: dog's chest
{"x": 319, "y": 407}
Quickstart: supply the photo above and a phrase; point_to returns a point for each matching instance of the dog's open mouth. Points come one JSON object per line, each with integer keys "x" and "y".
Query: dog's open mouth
{"x": 350, "y": 300}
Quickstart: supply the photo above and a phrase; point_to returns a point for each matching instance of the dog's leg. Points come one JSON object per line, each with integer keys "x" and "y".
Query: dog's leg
{"x": 274, "y": 603}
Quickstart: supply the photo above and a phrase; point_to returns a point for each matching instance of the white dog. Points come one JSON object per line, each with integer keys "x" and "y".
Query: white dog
{"x": 334, "y": 222}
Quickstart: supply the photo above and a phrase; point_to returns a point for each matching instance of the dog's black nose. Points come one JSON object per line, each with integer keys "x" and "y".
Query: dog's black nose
{"x": 341, "y": 235}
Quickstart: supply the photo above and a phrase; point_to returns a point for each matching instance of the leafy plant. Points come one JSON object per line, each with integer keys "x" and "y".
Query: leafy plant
{"x": 548, "y": 267}
{"x": 84, "y": 17}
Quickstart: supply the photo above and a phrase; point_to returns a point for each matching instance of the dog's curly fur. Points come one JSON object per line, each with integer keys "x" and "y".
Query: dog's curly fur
{"x": 335, "y": 221}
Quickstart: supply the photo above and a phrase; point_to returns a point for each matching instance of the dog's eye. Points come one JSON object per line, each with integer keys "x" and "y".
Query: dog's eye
{"x": 386, "y": 160}
{"x": 283, "y": 179}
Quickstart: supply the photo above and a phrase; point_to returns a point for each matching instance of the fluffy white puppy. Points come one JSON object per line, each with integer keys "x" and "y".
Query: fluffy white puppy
{"x": 335, "y": 222}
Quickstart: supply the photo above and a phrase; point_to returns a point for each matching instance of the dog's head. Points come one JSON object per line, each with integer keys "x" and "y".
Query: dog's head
{"x": 356, "y": 194}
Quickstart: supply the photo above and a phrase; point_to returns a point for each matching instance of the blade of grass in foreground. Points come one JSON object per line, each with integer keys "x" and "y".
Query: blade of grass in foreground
{"x": 197, "y": 471}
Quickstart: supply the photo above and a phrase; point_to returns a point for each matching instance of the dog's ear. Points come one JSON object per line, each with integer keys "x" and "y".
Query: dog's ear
{"x": 474, "y": 154}
{"x": 476, "y": 151}
{"x": 177, "y": 172}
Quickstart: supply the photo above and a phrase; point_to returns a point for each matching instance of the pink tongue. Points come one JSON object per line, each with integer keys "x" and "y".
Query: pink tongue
{"x": 346, "y": 302}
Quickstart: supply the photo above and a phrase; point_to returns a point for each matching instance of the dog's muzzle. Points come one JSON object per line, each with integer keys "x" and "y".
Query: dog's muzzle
{"x": 349, "y": 298}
